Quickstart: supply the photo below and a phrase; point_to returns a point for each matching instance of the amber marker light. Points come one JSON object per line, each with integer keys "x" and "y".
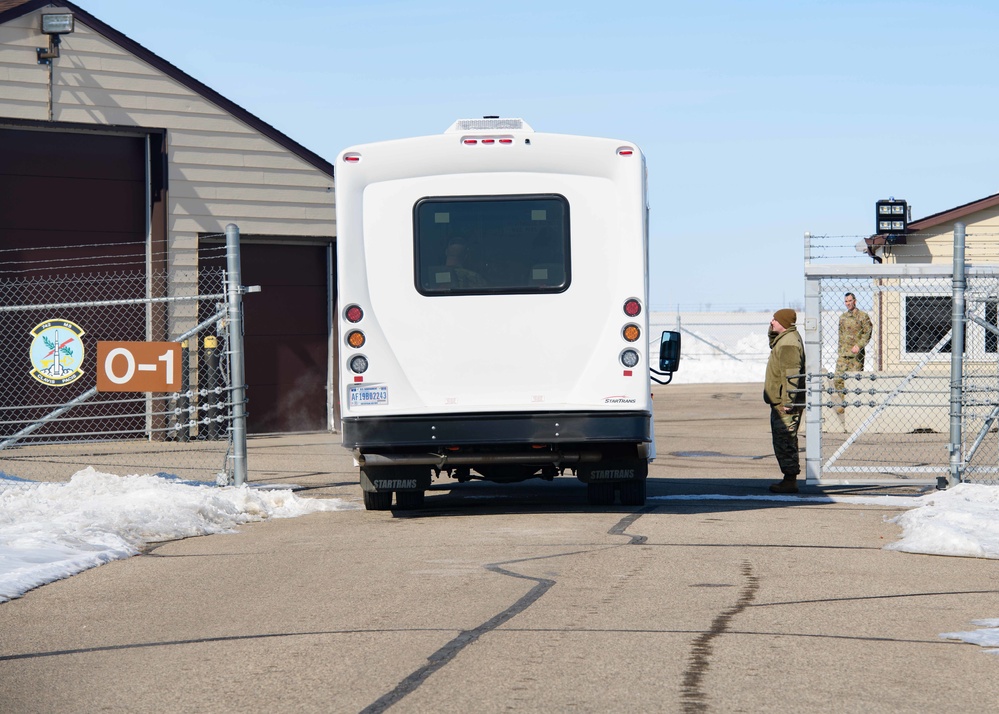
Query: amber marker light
{"x": 631, "y": 333}
{"x": 355, "y": 339}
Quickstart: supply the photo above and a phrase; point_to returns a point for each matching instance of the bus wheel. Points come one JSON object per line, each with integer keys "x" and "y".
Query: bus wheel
{"x": 377, "y": 500}
{"x": 409, "y": 500}
{"x": 600, "y": 494}
{"x": 633, "y": 492}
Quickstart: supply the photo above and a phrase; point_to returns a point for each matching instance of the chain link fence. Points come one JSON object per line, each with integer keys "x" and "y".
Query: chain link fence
{"x": 53, "y": 314}
{"x": 884, "y": 413}
{"x": 980, "y": 379}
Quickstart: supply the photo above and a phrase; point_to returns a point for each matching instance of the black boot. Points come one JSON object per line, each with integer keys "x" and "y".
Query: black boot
{"x": 788, "y": 485}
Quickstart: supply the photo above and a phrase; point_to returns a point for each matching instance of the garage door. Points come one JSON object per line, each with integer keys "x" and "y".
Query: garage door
{"x": 71, "y": 205}
{"x": 68, "y": 189}
{"x": 286, "y": 336}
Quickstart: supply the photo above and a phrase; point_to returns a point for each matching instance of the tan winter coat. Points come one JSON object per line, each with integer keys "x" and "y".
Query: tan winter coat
{"x": 787, "y": 360}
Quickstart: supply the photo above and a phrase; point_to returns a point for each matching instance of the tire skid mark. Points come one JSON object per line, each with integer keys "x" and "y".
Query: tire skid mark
{"x": 448, "y": 652}
{"x": 625, "y": 523}
{"x": 694, "y": 699}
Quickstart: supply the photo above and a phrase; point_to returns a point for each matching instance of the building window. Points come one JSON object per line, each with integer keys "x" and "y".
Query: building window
{"x": 991, "y": 340}
{"x": 927, "y": 321}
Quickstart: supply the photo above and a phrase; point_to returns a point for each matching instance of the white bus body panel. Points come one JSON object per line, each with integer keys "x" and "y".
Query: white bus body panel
{"x": 438, "y": 354}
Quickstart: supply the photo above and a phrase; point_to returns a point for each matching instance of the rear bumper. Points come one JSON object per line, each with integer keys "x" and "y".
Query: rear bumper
{"x": 494, "y": 429}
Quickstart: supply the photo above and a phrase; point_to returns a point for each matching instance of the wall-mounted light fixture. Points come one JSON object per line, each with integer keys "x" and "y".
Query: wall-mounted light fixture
{"x": 892, "y": 216}
{"x": 55, "y": 25}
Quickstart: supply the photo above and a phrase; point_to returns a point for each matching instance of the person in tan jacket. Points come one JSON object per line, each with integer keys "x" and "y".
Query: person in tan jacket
{"x": 784, "y": 391}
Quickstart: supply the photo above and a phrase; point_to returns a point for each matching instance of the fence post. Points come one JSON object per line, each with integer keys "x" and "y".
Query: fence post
{"x": 235, "y": 300}
{"x": 956, "y": 360}
{"x": 811, "y": 335}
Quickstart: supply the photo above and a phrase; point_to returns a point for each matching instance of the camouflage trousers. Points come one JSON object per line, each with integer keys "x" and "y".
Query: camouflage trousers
{"x": 784, "y": 429}
{"x": 845, "y": 364}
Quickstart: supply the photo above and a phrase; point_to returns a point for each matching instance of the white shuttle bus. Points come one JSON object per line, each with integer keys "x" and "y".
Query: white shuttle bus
{"x": 493, "y": 311}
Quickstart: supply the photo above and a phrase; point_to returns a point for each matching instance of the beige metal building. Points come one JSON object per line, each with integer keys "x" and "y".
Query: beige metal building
{"x": 931, "y": 239}
{"x": 910, "y": 304}
{"x": 105, "y": 143}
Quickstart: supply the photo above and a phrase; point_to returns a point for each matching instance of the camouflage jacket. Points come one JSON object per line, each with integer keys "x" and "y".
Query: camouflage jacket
{"x": 787, "y": 361}
{"x": 854, "y": 329}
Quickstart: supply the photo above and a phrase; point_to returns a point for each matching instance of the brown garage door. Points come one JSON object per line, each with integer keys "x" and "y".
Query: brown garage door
{"x": 67, "y": 189}
{"x": 286, "y": 328}
{"x": 72, "y": 210}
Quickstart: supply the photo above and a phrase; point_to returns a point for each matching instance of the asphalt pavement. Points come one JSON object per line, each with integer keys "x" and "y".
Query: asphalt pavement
{"x": 522, "y": 597}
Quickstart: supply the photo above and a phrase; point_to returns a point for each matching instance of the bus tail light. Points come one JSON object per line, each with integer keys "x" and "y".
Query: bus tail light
{"x": 632, "y": 308}
{"x": 353, "y": 313}
{"x": 355, "y": 338}
{"x": 629, "y": 358}
{"x": 358, "y": 364}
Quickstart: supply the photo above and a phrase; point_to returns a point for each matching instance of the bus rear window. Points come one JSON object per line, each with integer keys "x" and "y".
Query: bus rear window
{"x": 492, "y": 244}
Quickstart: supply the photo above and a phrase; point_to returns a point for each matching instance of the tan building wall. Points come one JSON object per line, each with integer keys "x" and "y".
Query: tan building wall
{"x": 935, "y": 244}
{"x": 221, "y": 170}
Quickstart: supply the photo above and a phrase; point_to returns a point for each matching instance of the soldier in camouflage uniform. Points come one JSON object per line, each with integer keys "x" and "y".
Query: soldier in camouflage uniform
{"x": 784, "y": 391}
{"x": 854, "y": 333}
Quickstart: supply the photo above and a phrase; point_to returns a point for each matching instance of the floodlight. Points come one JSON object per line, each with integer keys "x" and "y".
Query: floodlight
{"x": 55, "y": 25}
{"x": 892, "y": 217}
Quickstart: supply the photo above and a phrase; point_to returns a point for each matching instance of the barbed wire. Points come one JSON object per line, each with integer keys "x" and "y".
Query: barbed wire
{"x": 75, "y": 246}
{"x": 136, "y": 260}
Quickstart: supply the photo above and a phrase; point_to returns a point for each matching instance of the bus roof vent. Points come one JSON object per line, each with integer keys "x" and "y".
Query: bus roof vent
{"x": 489, "y": 124}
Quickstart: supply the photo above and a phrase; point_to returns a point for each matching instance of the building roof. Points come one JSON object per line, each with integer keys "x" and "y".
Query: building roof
{"x": 953, "y": 214}
{"x": 11, "y": 9}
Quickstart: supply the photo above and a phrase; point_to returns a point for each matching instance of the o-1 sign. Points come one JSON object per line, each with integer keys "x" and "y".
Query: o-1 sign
{"x": 138, "y": 366}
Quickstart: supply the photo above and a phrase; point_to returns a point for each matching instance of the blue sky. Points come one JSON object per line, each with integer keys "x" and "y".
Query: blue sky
{"x": 760, "y": 120}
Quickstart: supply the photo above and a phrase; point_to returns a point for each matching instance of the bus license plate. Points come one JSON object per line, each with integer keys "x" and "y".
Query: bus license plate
{"x": 368, "y": 394}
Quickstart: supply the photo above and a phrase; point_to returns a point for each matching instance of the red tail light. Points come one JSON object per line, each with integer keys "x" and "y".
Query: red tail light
{"x": 632, "y": 308}
{"x": 486, "y": 140}
{"x": 353, "y": 313}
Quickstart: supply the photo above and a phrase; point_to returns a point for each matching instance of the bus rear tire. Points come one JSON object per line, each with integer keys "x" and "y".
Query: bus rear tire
{"x": 409, "y": 500}
{"x": 600, "y": 494}
{"x": 633, "y": 492}
{"x": 377, "y": 500}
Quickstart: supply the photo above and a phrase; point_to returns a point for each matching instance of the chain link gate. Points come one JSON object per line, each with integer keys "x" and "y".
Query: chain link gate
{"x": 980, "y": 379}
{"x": 891, "y": 420}
{"x": 53, "y": 421}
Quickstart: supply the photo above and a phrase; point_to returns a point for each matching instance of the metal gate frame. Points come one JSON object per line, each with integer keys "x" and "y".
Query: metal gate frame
{"x": 219, "y": 408}
{"x": 973, "y": 399}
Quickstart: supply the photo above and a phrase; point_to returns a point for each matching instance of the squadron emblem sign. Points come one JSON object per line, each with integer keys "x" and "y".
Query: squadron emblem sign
{"x": 57, "y": 352}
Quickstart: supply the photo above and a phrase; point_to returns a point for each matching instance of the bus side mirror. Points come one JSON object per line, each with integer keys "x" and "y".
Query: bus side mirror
{"x": 669, "y": 351}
